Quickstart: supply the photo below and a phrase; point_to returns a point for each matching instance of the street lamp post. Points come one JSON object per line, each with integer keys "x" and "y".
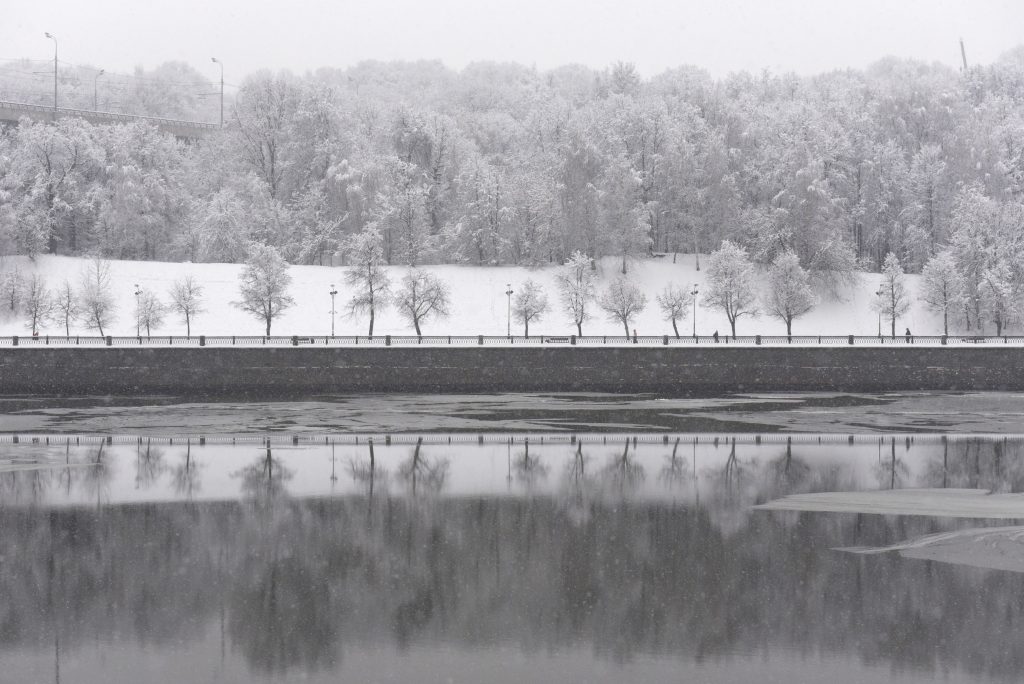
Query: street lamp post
{"x": 694, "y": 295}
{"x": 333, "y": 293}
{"x": 54, "y": 39}
{"x": 221, "y": 64}
{"x": 138, "y": 313}
{"x": 508, "y": 317}
{"x": 881, "y": 291}
{"x": 95, "y": 97}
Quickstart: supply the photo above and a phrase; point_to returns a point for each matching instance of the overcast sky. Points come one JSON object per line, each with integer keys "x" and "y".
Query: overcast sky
{"x": 806, "y": 36}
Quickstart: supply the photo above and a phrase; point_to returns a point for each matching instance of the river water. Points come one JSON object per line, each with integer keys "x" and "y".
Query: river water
{"x": 575, "y": 539}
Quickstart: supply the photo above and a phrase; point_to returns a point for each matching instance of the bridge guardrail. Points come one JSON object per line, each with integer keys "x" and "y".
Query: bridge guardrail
{"x": 114, "y": 116}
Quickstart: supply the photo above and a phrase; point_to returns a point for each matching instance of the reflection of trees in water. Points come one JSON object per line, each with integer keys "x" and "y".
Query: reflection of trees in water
{"x": 281, "y": 619}
{"x": 185, "y": 475}
{"x": 149, "y": 464}
{"x": 622, "y": 473}
{"x": 995, "y": 465}
{"x": 96, "y": 477}
{"x": 367, "y": 475}
{"x": 421, "y": 472}
{"x": 632, "y": 578}
{"x": 529, "y": 470}
{"x": 676, "y": 471}
{"x": 891, "y": 471}
{"x": 265, "y": 478}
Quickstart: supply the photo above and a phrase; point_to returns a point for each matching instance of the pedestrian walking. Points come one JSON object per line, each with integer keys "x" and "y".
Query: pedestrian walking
{"x": 634, "y": 335}
{"x": 715, "y": 335}
{"x": 910, "y": 337}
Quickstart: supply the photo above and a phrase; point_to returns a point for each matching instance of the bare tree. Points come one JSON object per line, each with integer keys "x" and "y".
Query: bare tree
{"x": 622, "y": 301}
{"x": 576, "y": 286}
{"x": 38, "y": 302}
{"x": 187, "y": 300}
{"x": 789, "y": 290}
{"x": 367, "y": 275}
{"x": 530, "y": 304}
{"x": 151, "y": 311}
{"x": 893, "y": 299}
{"x": 422, "y": 295}
{"x": 96, "y": 299}
{"x": 65, "y": 303}
{"x": 264, "y": 283}
{"x": 675, "y": 304}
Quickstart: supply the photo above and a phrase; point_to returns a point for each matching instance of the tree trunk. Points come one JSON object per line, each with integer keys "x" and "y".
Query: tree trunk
{"x": 67, "y": 326}
{"x": 268, "y": 325}
{"x": 371, "y": 322}
{"x": 188, "y": 326}
{"x": 526, "y": 327}
{"x": 789, "y": 327}
{"x": 416, "y": 324}
{"x": 732, "y": 324}
{"x": 893, "y": 331}
{"x": 579, "y": 328}
{"x": 625, "y": 324}
{"x": 100, "y": 327}
{"x": 675, "y": 328}
{"x": 945, "y": 322}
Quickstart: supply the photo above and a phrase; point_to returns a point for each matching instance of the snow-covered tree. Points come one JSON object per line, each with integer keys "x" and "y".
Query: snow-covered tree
{"x": 942, "y": 287}
{"x": 894, "y": 300}
{"x": 65, "y": 303}
{"x": 263, "y": 284}
{"x": 730, "y": 283}
{"x": 96, "y": 299}
{"x": 675, "y": 304}
{"x": 13, "y": 284}
{"x": 38, "y": 302}
{"x": 187, "y": 299}
{"x": 576, "y": 286}
{"x": 529, "y": 305}
{"x": 150, "y": 311}
{"x": 622, "y": 301}
{"x": 999, "y": 301}
{"x": 367, "y": 275}
{"x": 789, "y": 293}
{"x": 422, "y": 295}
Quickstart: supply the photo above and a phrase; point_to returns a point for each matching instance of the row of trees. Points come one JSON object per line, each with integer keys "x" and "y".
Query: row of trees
{"x": 950, "y": 287}
{"x": 505, "y": 164}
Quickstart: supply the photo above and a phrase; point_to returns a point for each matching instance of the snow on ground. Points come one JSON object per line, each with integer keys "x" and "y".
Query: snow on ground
{"x": 479, "y": 304}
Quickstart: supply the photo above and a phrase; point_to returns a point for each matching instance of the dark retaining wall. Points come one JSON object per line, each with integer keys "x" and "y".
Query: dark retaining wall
{"x": 675, "y": 370}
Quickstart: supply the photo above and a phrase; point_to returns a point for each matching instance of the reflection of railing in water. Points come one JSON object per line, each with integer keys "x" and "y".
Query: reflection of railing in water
{"x": 346, "y": 341}
{"x": 349, "y": 439}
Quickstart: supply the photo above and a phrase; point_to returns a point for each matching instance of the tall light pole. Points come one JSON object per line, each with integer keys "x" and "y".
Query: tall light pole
{"x": 333, "y": 293}
{"x": 694, "y": 295}
{"x": 54, "y": 39}
{"x": 508, "y": 317}
{"x": 221, "y": 64}
{"x": 95, "y": 97}
{"x": 138, "y": 314}
{"x": 881, "y": 291}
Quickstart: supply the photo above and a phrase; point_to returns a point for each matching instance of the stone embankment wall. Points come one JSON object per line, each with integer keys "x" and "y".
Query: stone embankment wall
{"x": 671, "y": 370}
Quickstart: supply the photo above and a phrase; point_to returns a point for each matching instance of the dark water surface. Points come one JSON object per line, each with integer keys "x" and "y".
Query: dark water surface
{"x": 502, "y": 557}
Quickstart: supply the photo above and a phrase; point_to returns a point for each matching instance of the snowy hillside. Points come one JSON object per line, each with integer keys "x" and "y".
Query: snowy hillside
{"x": 479, "y": 304}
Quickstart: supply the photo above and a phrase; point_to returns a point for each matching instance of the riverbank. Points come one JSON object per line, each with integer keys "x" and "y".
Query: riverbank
{"x": 258, "y": 372}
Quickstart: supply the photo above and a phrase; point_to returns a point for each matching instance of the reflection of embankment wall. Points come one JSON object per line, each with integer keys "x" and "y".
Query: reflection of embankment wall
{"x": 445, "y": 369}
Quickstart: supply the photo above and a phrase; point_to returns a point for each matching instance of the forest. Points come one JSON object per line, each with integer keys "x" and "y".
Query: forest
{"x": 503, "y": 164}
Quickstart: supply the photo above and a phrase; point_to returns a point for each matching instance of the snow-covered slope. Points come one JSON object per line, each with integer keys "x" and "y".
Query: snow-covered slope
{"x": 479, "y": 304}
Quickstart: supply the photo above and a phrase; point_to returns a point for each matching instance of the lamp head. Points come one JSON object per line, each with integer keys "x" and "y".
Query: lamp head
{"x": 47, "y": 34}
